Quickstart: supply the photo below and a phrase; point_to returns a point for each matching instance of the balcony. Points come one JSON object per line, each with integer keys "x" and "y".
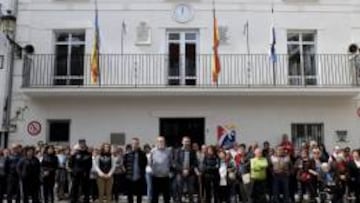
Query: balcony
{"x": 161, "y": 72}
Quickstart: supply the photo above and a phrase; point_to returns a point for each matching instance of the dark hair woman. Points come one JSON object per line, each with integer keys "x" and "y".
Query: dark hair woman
{"x": 105, "y": 166}
{"x": 211, "y": 164}
{"x": 49, "y": 165}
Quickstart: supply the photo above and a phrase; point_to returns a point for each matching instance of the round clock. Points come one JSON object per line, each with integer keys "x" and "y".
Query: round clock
{"x": 183, "y": 13}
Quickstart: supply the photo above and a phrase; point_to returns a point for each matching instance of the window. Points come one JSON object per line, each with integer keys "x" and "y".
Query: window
{"x": 302, "y": 59}
{"x": 307, "y": 132}
{"x": 59, "y": 131}
{"x": 69, "y": 58}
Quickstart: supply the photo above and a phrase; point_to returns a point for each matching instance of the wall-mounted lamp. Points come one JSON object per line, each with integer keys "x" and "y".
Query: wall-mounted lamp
{"x": 8, "y": 26}
{"x": 8, "y": 23}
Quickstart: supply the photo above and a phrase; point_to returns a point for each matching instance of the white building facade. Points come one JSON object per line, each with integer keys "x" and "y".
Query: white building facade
{"x": 155, "y": 71}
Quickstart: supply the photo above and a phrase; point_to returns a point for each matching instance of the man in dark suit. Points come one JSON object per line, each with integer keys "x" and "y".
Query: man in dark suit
{"x": 135, "y": 163}
{"x": 80, "y": 164}
{"x": 186, "y": 164}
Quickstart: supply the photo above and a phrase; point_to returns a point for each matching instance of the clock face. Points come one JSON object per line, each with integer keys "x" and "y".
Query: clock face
{"x": 183, "y": 13}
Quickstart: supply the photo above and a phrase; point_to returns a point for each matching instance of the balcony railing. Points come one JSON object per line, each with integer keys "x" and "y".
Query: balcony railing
{"x": 160, "y": 70}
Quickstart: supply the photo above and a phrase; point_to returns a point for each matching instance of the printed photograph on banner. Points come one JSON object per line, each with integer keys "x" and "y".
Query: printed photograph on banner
{"x": 226, "y": 135}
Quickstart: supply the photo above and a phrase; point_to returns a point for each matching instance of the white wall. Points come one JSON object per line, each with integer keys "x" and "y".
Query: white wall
{"x": 257, "y": 118}
{"x": 334, "y": 20}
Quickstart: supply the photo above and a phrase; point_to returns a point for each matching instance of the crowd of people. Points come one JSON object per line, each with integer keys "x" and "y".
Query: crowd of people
{"x": 191, "y": 173}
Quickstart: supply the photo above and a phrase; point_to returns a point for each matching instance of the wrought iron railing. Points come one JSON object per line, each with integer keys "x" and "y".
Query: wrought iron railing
{"x": 161, "y": 70}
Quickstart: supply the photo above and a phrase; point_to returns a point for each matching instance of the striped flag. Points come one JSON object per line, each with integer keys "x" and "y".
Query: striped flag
{"x": 272, "y": 53}
{"x": 215, "y": 58}
{"x": 95, "y": 69}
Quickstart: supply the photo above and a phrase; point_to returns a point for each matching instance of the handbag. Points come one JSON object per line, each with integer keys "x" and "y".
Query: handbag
{"x": 246, "y": 178}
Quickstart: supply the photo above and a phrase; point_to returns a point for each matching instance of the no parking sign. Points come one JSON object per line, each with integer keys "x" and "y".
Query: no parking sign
{"x": 34, "y": 128}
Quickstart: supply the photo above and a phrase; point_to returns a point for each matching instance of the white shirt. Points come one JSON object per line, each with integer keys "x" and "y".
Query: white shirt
{"x": 357, "y": 163}
{"x": 223, "y": 174}
{"x": 148, "y": 167}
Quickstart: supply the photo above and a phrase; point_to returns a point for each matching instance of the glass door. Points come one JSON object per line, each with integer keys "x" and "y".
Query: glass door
{"x": 302, "y": 58}
{"x": 182, "y": 53}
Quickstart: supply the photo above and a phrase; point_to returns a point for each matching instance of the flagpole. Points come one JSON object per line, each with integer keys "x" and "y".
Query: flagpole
{"x": 247, "y": 38}
{"x": 98, "y": 40}
{"x": 122, "y": 37}
{"x": 213, "y": 9}
{"x": 246, "y": 30}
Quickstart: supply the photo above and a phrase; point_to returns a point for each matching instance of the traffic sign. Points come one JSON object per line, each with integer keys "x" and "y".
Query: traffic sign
{"x": 34, "y": 128}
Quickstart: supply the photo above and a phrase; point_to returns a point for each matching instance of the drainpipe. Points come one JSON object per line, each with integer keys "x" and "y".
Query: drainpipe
{"x": 10, "y": 77}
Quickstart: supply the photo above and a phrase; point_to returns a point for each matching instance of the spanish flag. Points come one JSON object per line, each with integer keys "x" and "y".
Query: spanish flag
{"x": 215, "y": 69}
{"x": 95, "y": 69}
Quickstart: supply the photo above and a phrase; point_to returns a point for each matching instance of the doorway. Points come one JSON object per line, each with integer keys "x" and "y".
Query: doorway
{"x": 174, "y": 129}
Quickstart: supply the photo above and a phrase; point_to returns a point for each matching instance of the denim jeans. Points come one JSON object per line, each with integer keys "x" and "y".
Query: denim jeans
{"x": 186, "y": 183}
{"x": 148, "y": 177}
{"x": 280, "y": 181}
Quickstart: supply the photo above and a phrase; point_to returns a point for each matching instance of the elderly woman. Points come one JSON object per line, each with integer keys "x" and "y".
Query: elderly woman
{"x": 258, "y": 167}
{"x": 306, "y": 175}
{"x": 281, "y": 168}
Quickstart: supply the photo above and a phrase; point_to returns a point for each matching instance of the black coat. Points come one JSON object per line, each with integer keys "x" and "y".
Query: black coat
{"x": 10, "y": 165}
{"x": 29, "y": 169}
{"x": 49, "y": 165}
{"x": 354, "y": 173}
{"x": 211, "y": 166}
{"x": 80, "y": 163}
{"x": 179, "y": 161}
{"x": 129, "y": 163}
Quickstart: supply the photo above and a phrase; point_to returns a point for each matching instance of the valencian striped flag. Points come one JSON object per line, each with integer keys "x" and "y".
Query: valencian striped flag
{"x": 95, "y": 69}
{"x": 215, "y": 69}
